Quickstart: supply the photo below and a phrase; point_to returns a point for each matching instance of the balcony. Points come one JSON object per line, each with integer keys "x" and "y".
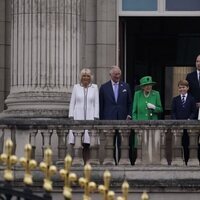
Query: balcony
{"x": 159, "y": 165}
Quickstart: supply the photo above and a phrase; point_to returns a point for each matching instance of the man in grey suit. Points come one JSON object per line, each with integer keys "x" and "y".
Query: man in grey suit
{"x": 115, "y": 103}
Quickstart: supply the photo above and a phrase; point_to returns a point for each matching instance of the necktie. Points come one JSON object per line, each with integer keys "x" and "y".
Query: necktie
{"x": 183, "y": 100}
{"x": 199, "y": 79}
{"x": 116, "y": 91}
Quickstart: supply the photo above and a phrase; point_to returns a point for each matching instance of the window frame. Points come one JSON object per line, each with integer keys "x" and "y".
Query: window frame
{"x": 160, "y": 12}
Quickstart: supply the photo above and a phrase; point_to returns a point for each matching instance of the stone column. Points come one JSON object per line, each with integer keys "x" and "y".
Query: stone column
{"x": 139, "y": 136}
{"x": 125, "y": 148}
{"x": 78, "y": 148}
{"x": 193, "y": 160}
{"x": 45, "y": 56}
{"x": 94, "y": 147}
{"x": 177, "y": 159}
{"x": 62, "y": 144}
{"x": 108, "y": 159}
{"x": 151, "y": 146}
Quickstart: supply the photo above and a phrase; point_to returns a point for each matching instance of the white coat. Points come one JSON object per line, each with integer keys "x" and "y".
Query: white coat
{"x": 84, "y": 105}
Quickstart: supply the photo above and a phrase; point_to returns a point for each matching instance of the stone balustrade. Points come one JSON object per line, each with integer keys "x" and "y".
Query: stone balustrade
{"x": 158, "y": 142}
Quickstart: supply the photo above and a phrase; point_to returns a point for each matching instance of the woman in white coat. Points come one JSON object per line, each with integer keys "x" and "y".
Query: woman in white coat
{"x": 84, "y": 105}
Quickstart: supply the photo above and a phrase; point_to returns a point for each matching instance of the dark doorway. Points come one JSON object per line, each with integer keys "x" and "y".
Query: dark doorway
{"x": 150, "y": 44}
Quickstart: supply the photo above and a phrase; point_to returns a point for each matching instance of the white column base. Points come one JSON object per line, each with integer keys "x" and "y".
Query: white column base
{"x": 37, "y": 104}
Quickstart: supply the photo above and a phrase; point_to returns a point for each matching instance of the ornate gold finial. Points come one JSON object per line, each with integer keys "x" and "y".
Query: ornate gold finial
{"x": 104, "y": 189}
{"x": 145, "y": 196}
{"x": 28, "y": 164}
{"x": 9, "y": 160}
{"x": 48, "y": 169}
{"x": 68, "y": 178}
{"x": 125, "y": 188}
{"x": 86, "y": 184}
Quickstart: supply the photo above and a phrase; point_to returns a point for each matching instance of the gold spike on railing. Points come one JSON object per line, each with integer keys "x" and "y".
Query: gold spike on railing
{"x": 86, "y": 184}
{"x": 28, "y": 164}
{"x": 104, "y": 189}
{"x": 68, "y": 178}
{"x": 125, "y": 188}
{"x": 48, "y": 169}
{"x": 145, "y": 196}
{"x": 9, "y": 160}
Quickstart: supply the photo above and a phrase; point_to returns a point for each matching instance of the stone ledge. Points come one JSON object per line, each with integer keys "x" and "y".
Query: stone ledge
{"x": 98, "y": 124}
{"x": 152, "y": 179}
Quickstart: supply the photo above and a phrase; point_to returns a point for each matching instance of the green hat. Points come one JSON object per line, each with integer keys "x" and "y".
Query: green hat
{"x": 146, "y": 80}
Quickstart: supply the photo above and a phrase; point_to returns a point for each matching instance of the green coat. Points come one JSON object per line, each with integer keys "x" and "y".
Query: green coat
{"x": 140, "y": 110}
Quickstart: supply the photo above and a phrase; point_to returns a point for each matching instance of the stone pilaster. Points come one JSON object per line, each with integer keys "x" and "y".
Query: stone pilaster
{"x": 106, "y": 48}
{"x": 45, "y": 56}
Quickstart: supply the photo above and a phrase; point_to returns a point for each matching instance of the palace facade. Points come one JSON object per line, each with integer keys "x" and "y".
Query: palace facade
{"x": 45, "y": 43}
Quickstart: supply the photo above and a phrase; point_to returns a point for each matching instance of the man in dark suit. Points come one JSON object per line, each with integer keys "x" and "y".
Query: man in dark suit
{"x": 115, "y": 103}
{"x": 193, "y": 79}
{"x": 184, "y": 107}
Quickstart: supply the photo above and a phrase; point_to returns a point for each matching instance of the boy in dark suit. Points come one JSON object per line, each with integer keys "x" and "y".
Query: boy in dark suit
{"x": 184, "y": 107}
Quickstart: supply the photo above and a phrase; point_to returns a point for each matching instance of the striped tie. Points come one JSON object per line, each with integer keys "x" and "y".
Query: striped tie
{"x": 183, "y": 100}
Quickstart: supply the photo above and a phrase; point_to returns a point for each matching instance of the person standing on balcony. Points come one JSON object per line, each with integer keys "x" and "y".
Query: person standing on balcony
{"x": 184, "y": 107}
{"x": 115, "y": 104}
{"x": 146, "y": 103}
{"x": 193, "y": 79}
{"x": 84, "y": 105}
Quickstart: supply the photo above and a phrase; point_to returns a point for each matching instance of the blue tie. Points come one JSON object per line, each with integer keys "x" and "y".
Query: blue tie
{"x": 183, "y": 100}
{"x": 116, "y": 91}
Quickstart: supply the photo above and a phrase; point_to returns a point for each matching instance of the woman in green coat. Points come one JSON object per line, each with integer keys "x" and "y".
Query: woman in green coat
{"x": 146, "y": 102}
{"x": 146, "y": 106}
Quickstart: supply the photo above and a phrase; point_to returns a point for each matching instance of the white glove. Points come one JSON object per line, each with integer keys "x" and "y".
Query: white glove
{"x": 151, "y": 106}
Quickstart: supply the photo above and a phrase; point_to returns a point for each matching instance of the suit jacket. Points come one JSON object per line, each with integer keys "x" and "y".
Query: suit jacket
{"x": 87, "y": 109}
{"x": 186, "y": 112}
{"x": 194, "y": 88}
{"x": 140, "y": 110}
{"x": 109, "y": 108}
